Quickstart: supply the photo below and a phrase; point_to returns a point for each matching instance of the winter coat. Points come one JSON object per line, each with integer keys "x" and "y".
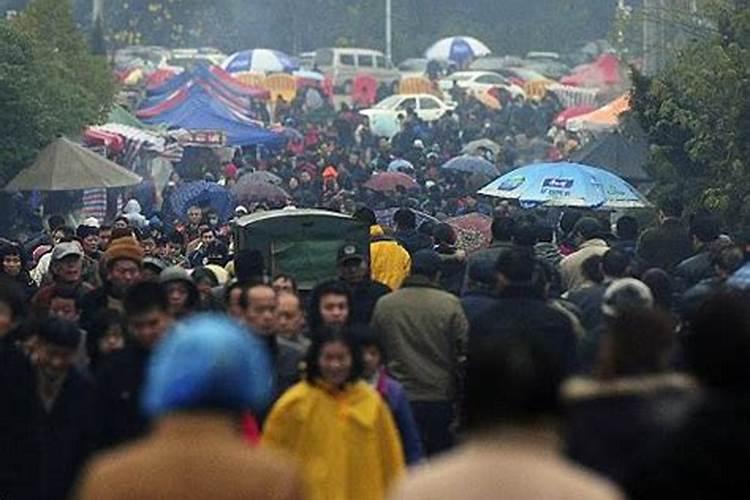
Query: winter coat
{"x": 663, "y": 246}
{"x": 588, "y": 300}
{"x": 475, "y": 303}
{"x": 191, "y": 456}
{"x": 413, "y": 240}
{"x": 517, "y": 464}
{"x": 692, "y": 271}
{"x": 394, "y": 395}
{"x": 533, "y": 316}
{"x": 390, "y": 263}
{"x": 452, "y": 269}
{"x": 346, "y": 442}
{"x": 491, "y": 253}
{"x": 613, "y": 426}
{"x": 364, "y": 298}
{"x": 424, "y": 331}
{"x": 120, "y": 377}
{"x": 571, "y": 267}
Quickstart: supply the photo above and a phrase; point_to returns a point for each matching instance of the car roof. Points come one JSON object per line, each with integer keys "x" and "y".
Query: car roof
{"x": 351, "y": 50}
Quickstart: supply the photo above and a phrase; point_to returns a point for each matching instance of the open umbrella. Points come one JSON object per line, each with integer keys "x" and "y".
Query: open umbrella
{"x": 261, "y": 176}
{"x": 473, "y": 231}
{"x": 202, "y": 194}
{"x": 401, "y": 165}
{"x": 565, "y": 185}
{"x": 260, "y": 60}
{"x": 457, "y": 48}
{"x": 259, "y": 192}
{"x": 471, "y": 165}
{"x": 389, "y": 181}
{"x": 65, "y": 166}
{"x": 477, "y": 146}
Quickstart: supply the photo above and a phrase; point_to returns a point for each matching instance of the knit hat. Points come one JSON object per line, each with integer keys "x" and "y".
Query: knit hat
{"x": 124, "y": 248}
{"x": 208, "y": 362}
{"x": 624, "y": 294}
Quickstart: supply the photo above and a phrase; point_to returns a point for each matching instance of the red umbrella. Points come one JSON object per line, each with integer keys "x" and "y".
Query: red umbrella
{"x": 473, "y": 231}
{"x": 388, "y": 181}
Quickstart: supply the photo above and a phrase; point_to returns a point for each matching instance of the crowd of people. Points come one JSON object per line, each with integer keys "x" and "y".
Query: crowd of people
{"x": 574, "y": 357}
{"x": 581, "y": 360}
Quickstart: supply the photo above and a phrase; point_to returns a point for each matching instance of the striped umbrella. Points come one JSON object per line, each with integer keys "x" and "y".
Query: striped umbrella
{"x": 260, "y": 60}
{"x": 460, "y": 49}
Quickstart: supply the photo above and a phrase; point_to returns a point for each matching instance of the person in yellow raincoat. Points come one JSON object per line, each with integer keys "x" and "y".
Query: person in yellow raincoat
{"x": 337, "y": 426}
{"x": 390, "y": 263}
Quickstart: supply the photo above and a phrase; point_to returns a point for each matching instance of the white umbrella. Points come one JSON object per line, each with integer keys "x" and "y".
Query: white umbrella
{"x": 458, "y": 48}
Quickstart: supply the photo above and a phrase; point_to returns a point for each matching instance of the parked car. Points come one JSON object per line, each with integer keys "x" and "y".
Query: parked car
{"x": 384, "y": 116}
{"x": 479, "y": 81}
{"x": 342, "y": 65}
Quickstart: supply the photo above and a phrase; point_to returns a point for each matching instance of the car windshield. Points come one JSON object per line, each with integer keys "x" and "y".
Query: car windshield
{"x": 389, "y": 102}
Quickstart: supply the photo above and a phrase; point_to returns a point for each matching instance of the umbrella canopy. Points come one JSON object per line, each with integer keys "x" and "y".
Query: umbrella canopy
{"x": 460, "y": 49}
{"x": 605, "y": 118}
{"x": 259, "y": 192}
{"x": 202, "y": 194}
{"x": 565, "y": 185}
{"x": 572, "y": 112}
{"x": 473, "y": 231}
{"x": 401, "y": 165}
{"x": 261, "y": 176}
{"x": 471, "y": 165}
{"x": 619, "y": 152}
{"x": 477, "y": 146}
{"x": 389, "y": 181}
{"x": 260, "y": 60}
{"x": 67, "y": 166}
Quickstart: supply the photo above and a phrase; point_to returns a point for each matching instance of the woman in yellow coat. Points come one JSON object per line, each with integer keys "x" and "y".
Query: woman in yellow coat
{"x": 337, "y": 426}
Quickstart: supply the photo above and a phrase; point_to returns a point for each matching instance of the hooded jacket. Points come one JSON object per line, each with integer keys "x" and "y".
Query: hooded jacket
{"x": 390, "y": 263}
{"x": 132, "y": 212}
{"x": 347, "y": 442}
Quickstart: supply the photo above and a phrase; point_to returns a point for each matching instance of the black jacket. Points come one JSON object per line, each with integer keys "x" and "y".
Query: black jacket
{"x": 120, "y": 377}
{"x": 413, "y": 240}
{"x": 476, "y": 303}
{"x": 364, "y": 297}
{"x": 663, "y": 246}
{"x": 612, "y": 426}
{"x": 691, "y": 271}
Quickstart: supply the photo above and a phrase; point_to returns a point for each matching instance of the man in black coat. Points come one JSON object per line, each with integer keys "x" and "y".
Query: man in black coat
{"x": 667, "y": 244}
{"x": 120, "y": 375}
{"x": 354, "y": 271}
{"x": 705, "y": 232}
{"x": 522, "y": 307}
{"x": 503, "y": 229}
{"x": 406, "y": 231}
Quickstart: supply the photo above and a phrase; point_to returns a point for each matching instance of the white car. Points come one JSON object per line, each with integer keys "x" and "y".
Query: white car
{"x": 384, "y": 116}
{"x": 478, "y": 82}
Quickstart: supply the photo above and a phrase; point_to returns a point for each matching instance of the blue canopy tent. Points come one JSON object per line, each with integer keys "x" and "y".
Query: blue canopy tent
{"x": 201, "y": 111}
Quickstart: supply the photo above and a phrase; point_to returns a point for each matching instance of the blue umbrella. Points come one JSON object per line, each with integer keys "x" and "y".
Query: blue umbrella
{"x": 471, "y": 165}
{"x": 260, "y": 60}
{"x": 202, "y": 193}
{"x": 565, "y": 185}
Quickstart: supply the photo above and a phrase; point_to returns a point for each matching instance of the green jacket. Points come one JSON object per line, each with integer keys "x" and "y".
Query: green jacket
{"x": 424, "y": 331}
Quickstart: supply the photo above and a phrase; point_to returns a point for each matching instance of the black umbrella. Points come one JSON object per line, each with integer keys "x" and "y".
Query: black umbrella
{"x": 622, "y": 153}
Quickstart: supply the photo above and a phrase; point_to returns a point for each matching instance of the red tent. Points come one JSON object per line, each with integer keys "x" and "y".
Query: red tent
{"x": 562, "y": 119}
{"x": 603, "y": 72}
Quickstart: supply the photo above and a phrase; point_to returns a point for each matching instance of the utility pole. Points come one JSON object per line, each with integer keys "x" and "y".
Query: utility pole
{"x": 388, "y": 32}
{"x": 96, "y": 11}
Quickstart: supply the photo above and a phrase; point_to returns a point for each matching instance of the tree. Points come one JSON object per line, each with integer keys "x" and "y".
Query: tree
{"x": 697, "y": 114}
{"x": 49, "y": 83}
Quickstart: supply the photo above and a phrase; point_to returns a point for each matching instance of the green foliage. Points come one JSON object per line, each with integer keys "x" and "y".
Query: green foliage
{"x": 49, "y": 83}
{"x": 697, "y": 114}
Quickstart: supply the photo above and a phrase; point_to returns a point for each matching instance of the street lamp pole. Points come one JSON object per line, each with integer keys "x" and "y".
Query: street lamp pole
{"x": 388, "y": 31}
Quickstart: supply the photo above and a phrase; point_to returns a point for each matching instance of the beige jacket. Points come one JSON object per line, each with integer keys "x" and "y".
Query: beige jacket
{"x": 571, "y": 266}
{"x": 191, "y": 457}
{"x": 517, "y": 465}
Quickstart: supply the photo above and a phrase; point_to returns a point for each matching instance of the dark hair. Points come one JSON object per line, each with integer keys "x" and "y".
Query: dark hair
{"x": 176, "y": 238}
{"x": 332, "y": 287}
{"x": 444, "y": 233}
{"x": 729, "y": 259}
{"x": 144, "y": 298}
{"x": 55, "y": 221}
{"x": 569, "y": 220}
{"x": 12, "y": 296}
{"x": 202, "y": 273}
{"x": 288, "y": 277}
{"x": 328, "y": 336}
{"x": 627, "y": 228}
{"x": 591, "y": 269}
{"x": 405, "y": 218}
{"x": 705, "y": 227}
{"x": 368, "y": 337}
{"x": 366, "y": 215}
{"x": 68, "y": 233}
{"x": 74, "y": 293}
{"x": 205, "y": 230}
{"x": 249, "y": 285}
{"x": 615, "y": 263}
{"x": 525, "y": 234}
{"x": 229, "y": 289}
{"x": 517, "y": 265}
{"x": 587, "y": 227}
{"x": 671, "y": 207}
{"x": 60, "y": 333}
{"x": 641, "y": 339}
{"x": 249, "y": 265}
{"x": 660, "y": 284}
{"x": 503, "y": 228}
{"x": 720, "y": 361}
{"x": 510, "y": 378}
